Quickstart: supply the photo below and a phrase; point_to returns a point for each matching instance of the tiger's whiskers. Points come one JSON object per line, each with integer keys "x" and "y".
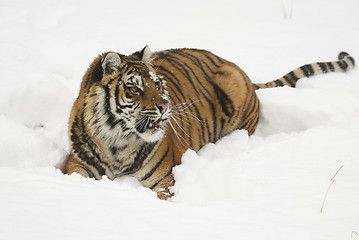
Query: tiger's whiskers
{"x": 178, "y": 135}
{"x": 182, "y": 128}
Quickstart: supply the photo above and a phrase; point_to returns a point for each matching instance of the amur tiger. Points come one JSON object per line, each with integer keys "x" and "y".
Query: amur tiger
{"x": 137, "y": 115}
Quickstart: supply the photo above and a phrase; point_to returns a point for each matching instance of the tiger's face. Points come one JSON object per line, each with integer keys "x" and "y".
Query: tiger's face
{"x": 145, "y": 94}
{"x": 135, "y": 97}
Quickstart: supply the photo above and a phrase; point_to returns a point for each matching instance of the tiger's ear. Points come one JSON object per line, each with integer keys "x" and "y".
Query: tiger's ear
{"x": 111, "y": 62}
{"x": 145, "y": 54}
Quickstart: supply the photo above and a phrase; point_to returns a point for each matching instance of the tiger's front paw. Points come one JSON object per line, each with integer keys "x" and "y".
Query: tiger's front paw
{"x": 162, "y": 188}
{"x": 164, "y": 193}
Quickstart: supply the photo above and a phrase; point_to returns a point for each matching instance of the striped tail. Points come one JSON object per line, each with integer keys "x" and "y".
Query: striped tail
{"x": 344, "y": 63}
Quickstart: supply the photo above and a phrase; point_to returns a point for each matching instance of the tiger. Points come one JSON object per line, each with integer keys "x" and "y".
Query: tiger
{"x": 138, "y": 114}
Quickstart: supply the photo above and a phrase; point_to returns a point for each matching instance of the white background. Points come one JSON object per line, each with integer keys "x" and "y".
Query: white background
{"x": 271, "y": 185}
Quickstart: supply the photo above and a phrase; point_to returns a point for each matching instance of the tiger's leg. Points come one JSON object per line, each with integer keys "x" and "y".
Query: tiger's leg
{"x": 163, "y": 187}
{"x": 237, "y": 100}
{"x": 157, "y": 173}
{"x": 73, "y": 166}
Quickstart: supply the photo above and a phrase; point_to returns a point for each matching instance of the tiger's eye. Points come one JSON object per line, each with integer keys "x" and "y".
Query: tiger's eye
{"x": 135, "y": 90}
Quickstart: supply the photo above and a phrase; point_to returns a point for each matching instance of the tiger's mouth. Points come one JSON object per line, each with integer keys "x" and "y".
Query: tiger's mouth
{"x": 155, "y": 124}
{"x": 149, "y": 124}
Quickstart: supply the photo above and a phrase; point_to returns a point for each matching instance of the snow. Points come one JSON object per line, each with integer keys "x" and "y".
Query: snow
{"x": 271, "y": 185}
{"x": 153, "y": 76}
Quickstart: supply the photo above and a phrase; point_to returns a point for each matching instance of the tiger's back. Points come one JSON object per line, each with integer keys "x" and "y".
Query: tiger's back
{"x": 210, "y": 96}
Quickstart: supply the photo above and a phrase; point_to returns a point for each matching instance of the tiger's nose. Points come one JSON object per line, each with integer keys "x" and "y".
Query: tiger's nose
{"x": 162, "y": 107}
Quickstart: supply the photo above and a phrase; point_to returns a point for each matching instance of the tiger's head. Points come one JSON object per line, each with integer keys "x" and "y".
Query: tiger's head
{"x": 130, "y": 98}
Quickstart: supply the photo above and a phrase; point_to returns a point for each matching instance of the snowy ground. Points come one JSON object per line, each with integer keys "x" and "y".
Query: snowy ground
{"x": 268, "y": 186}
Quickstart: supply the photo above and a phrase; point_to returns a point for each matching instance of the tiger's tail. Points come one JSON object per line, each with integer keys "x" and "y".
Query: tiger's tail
{"x": 344, "y": 63}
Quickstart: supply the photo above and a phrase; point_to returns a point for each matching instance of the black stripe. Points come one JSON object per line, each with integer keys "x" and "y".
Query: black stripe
{"x": 87, "y": 139}
{"x": 199, "y": 116}
{"x": 249, "y": 104}
{"x": 279, "y": 83}
{"x": 207, "y": 77}
{"x": 136, "y": 64}
{"x": 121, "y": 122}
{"x": 111, "y": 116}
{"x": 196, "y": 62}
{"x": 149, "y": 174}
{"x": 170, "y": 77}
{"x": 248, "y": 116}
{"x": 323, "y": 67}
{"x": 225, "y": 102}
{"x": 128, "y": 95}
{"x": 252, "y": 105}
{"x": 342, "y": 55}
{"x": 331, "y": 66}
{"x": 200, "y": 139}
{"x": 304, "y": 70}
{"x": 219, "y": 59}
{"x": 160, "y": 55}
{"x": 173, "y": 158}
{"x": 307, "y": 70}
{"x": 250, "y": 97}
{"x": 117, "y": 95}
{"x": 81, "y": 141}
{"x": 351, "y": 60}
{"x": 210, "y": 80}
{"x": 206, "y": 126}
{"x": 90, "y": 173}
{"x": 207, "y": 55}
{"x": 180, "y": 122}
{"x": 343, "y": 65}
{"x": 142, "y": 154}
{"x": 189, "y": 57}
{"x": 96, "y": 73}
{"x": 173, "y": 92}
{"x": 175, "y": 63}
{"x": 292, "y": 79}
{"x": 222, "y": 121}
{"x": 125, "y": 68}
{"x": 126, "y": 106}
{"x": 289, "y": 81}
{"x": 310, "y": 69}
{"x": 252, "y": 125}
{"x": 154, "y": 185}
{"x": 208, "y": 100}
